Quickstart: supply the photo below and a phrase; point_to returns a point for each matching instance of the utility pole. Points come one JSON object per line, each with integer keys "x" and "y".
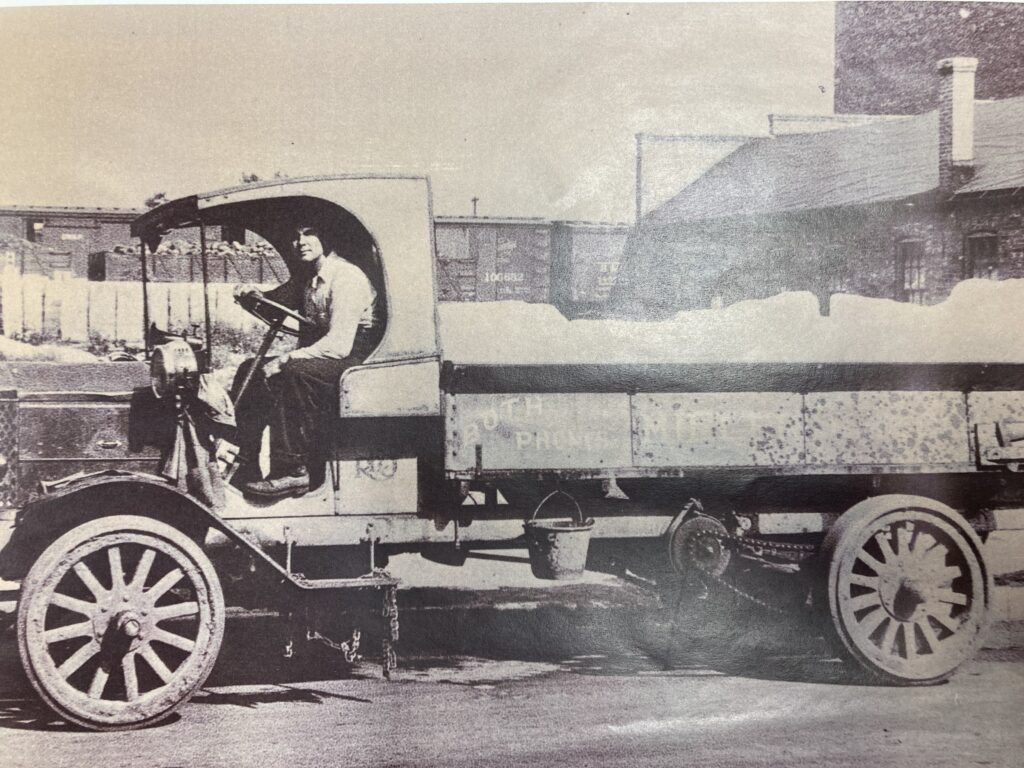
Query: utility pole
{"x": 474, "y": 200}
{"x": 639, "y": 178}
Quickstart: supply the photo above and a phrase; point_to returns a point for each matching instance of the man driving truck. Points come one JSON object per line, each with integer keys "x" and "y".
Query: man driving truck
{"x": 296, "y": 394}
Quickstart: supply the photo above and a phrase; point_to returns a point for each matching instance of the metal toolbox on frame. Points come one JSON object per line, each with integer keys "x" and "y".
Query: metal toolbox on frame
{"x": 79, "y": 418}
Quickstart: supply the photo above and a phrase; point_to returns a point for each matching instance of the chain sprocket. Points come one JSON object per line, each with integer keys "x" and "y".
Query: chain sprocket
{"x": 701, "y": 545}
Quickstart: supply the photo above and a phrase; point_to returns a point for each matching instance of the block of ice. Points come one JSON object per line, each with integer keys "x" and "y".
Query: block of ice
{"x": 977, "y": 323}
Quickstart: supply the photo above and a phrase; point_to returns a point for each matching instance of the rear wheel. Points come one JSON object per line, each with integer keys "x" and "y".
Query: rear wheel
{"x": 119, "y": 622}
{"x": 907, "y": 590}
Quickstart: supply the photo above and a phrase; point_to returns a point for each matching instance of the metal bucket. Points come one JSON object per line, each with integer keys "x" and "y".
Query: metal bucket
{"x": 558, "y": 547}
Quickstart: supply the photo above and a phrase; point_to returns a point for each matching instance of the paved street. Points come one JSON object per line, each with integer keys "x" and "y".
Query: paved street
{"x": 547, "y": 687}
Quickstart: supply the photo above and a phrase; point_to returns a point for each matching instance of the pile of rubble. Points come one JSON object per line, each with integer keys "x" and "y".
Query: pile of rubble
{"x": 187, "y": 248}
{"x": 180, "y": 261}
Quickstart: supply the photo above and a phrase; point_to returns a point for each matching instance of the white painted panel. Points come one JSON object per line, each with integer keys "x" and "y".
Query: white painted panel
{"x": 129, "y": 311}
{"x": 778, "y": 523}
{"x": 406, "y": 389}
{"x": 102, "y": 309}
{"x": 886, "y": 427}
{"x": 539, "y": 431}
{"x": 377, "y": 487}
{"x": 32, "y": 291}
{"x": 718, "y": 429}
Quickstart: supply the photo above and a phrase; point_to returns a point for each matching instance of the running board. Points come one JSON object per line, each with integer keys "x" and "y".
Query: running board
{"x": 370, "y": 581}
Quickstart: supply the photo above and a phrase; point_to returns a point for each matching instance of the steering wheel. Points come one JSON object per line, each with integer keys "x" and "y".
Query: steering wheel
{"x": 272, "y": 313}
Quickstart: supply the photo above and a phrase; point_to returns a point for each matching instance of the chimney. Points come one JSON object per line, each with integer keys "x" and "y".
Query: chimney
{"x": 956, "y": 122}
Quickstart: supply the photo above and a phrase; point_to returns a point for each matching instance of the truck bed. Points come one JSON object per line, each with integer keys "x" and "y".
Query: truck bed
{"x": 773, "y": 418}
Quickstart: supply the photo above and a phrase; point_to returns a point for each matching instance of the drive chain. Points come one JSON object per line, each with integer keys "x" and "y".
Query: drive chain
{"x": 765, "y": 545}
{"x": 758, "y": 547}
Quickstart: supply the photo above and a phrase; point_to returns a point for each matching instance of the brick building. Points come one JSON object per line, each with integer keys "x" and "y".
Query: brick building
{"x": 64, "y": 236}
{"x": 901, "y": 208}
{"x": 885, "y": 52}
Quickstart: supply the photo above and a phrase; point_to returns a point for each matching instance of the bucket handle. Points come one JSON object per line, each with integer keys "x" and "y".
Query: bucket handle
{"x": 579, "y": 512}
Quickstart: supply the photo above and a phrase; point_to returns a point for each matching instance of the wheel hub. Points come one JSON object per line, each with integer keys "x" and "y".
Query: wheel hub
{"x": 129, "y": 625}
{"x": 902, "y": 598}
{"x": 703, "y": 549}
{"x": 696, "y": 546}
{"x": 124, "y": 625}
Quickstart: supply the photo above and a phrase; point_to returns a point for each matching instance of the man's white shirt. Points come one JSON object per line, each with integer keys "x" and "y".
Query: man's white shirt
{"x": 338, "y": 300}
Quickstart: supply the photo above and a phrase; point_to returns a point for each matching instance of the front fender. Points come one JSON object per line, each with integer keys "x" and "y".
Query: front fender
{"x": 75, "y": 500}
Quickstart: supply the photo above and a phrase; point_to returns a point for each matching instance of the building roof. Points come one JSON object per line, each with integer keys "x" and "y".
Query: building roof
{"x": 888, "y": 160}
{"x": 126, "y": 214}
{"x": 527, "y": 221}
{"x": 998, "y": 146}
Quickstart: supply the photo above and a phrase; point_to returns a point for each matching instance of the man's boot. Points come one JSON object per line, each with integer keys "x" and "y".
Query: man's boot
{"x": 292, "y": 483}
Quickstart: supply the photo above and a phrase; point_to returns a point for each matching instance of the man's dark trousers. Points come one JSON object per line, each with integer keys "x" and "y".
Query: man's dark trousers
{"x": 299, "y": 404}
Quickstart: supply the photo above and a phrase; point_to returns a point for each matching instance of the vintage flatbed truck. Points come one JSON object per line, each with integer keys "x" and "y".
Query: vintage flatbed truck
{"x": 867, "y": 480}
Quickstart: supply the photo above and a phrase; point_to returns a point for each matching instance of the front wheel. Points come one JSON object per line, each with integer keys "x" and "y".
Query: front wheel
{"x": 907, "y": 589}
{"x": 119, "y": 622}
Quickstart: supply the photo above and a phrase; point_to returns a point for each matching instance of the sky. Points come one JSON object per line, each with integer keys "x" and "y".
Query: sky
{"x": 531, "y": 108}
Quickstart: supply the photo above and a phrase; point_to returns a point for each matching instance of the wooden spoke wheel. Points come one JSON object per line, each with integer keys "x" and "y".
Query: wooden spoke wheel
{"x": 119, "y": 622}
{"x": 908, "y": 591}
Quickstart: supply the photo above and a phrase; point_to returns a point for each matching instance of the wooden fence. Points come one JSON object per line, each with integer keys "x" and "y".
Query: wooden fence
{"x": 76, "y": 309}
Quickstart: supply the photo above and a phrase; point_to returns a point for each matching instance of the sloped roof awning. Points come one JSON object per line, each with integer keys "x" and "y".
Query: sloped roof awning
{"x": 878, "y": 162}
{"x": 873, "y": 163}
{"x": 998, "y": 147}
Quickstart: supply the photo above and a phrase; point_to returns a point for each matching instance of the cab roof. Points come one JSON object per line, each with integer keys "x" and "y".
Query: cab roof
{"x": 245, "y": 203}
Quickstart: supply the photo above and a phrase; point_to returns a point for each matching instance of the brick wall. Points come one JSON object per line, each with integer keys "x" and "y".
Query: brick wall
{"x": 852, "y": 250}
{"x": 11, "y": 224}
{"x": 886, "y": 52}
{"x": 68, "y": 232}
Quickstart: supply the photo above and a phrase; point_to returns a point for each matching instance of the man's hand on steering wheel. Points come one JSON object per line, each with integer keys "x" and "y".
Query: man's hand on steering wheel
{"x": 246, "y": 289}
{"x": 252, "y": 300}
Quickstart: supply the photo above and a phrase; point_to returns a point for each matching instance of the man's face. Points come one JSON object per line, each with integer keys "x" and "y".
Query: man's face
{"x": 307, "y": 245}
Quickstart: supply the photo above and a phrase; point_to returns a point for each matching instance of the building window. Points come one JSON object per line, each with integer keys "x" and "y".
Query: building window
{"x": 34, "y": 230}
{"x": 910, "y": 271}
{"x": 982, "y": 256}
{"x": 97, "y": 266}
